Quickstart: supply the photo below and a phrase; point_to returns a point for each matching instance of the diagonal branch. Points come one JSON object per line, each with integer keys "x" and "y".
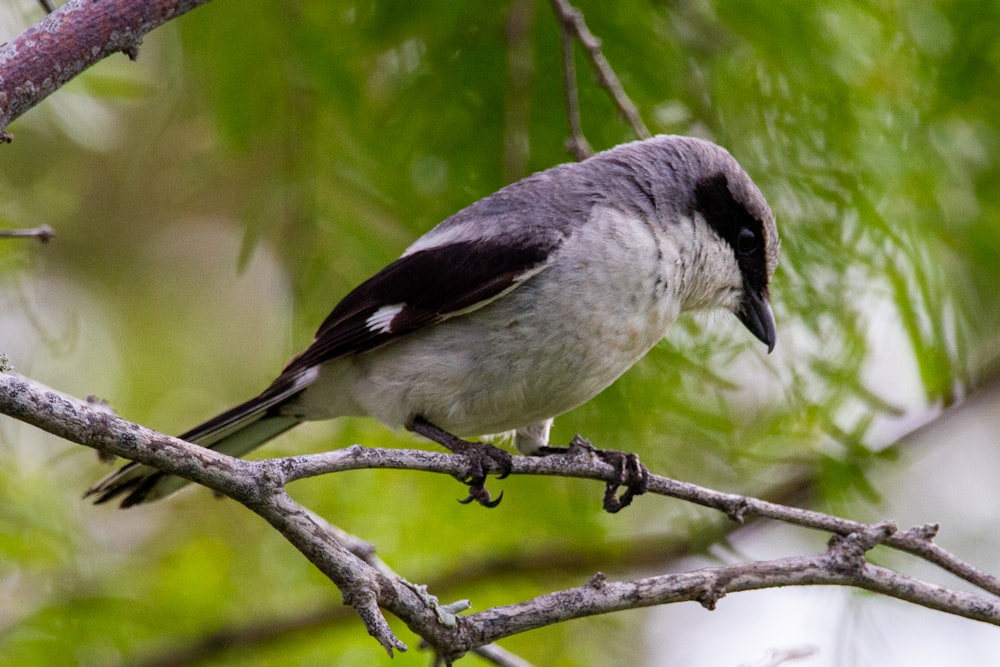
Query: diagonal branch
{"x": 709, "y": 585}
{"x": 369, "y": 586}
{"x": 577, "y": 142}
{"x": 917, "y": 541}
{"x": 573, "y": 23}
{"x": 542, "y": 561}
{"x": 67, "y": 41}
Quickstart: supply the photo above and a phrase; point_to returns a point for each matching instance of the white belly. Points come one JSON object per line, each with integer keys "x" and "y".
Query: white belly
{"x": 550, "y": 345}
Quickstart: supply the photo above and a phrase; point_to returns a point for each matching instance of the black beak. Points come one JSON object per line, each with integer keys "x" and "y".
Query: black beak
{"x": 755, "y": 314}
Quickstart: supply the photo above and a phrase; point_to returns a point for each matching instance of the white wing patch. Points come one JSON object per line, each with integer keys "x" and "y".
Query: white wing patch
{"x": 518, "y": 279}
{"x": 380, "y": 321}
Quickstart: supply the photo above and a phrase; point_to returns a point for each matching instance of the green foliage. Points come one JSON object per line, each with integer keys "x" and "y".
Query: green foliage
{"x": 271, "y": 155}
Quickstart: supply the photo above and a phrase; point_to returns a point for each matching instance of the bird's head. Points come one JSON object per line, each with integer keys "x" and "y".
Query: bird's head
{"x": 746, "y": 240}
{"x": 735, "y": 240}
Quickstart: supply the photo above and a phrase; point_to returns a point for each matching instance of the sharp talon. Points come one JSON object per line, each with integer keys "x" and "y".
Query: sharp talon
{"x": 630, "y": 473}
{"x": 482, "y": 496}
{"x": 477, "y": 454}
{"x": 611, "y": 502}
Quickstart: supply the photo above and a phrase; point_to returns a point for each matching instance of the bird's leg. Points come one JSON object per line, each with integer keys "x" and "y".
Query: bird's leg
{"x": 478, "y": 454}
{"x": 629, "y": 471}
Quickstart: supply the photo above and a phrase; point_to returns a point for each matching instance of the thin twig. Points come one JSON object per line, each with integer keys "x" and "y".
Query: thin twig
{"x": 572, "y": 19}
{"x": 368, "y": 586}
{"x": 577, "y": 143}
{"x": 47, "y": 6}
{"x": 43, "y": 233}
{"x": 843, "y": 564}
{"x": 544, "y": 560}
{"x": 916, "y": 541}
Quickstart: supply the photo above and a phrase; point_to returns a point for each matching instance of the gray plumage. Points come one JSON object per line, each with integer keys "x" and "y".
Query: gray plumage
{"x": 523, "y": 305}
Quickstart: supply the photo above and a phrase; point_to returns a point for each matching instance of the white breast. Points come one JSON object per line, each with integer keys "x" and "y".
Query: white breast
{"x": 545, "y": 348}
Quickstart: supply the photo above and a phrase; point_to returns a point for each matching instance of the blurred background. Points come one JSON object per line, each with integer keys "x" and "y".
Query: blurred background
{"x": 216, "y": 198}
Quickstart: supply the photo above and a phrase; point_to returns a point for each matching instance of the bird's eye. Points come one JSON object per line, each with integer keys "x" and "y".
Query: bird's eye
{"x": 746, "y": 242}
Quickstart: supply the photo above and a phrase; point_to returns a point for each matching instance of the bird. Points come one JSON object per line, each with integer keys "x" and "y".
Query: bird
{"x": 519, "y": 308}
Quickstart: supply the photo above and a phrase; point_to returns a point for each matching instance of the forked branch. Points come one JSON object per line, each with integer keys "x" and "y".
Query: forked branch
{"x": 369, "y": 586}
{"x": 573, "y": 26}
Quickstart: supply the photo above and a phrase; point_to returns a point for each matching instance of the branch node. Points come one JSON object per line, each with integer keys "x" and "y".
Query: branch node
{"x": 710, "y": 594}
{"x": 879, "y": 533}
{"x": 847, "y": 552}
{"x": 269, "y": 476}
{"x": 924, "y": 533}
{"x": 598, "y": 581}
{"x": 736, "y": 508}
{"x": 105, "y": 408}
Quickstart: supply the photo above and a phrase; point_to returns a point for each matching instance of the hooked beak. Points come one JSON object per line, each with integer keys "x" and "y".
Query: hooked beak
{"x": 755, "y": 314}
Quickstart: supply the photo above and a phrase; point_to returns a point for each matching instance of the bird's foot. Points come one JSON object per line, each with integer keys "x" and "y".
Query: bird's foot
{"x": 629, "y": 471}
{"x": 481, "y": 458}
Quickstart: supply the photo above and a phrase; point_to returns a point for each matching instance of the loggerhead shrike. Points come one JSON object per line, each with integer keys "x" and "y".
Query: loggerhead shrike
{"x": 520, "y": 307}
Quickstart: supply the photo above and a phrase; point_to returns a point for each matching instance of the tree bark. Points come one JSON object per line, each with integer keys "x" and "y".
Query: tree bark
{"x": 69, "y": 40}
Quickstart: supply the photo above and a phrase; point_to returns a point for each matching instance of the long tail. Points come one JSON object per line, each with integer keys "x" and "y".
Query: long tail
{"x": 236, "y": 432}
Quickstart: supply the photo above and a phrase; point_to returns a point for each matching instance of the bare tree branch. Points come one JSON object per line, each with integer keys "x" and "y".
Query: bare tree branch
{"x": 641, "y": 554}
{"x": 916, "y": 540}
{"x": 572, "y": 21}
{"x": 842, "y": 565}
{"x": 543, "y": 560}
{"x": 83, "y": 32}
{"x": 43, "y": 233}
{"x": 577, "y": 143}
{"x": 69, "y": 40}
{"x": 369, "y": 586}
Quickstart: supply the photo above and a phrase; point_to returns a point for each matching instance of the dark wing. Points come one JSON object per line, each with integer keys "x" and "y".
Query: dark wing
{"x": 415, "y": 291}
{"x": 420, "y": 289}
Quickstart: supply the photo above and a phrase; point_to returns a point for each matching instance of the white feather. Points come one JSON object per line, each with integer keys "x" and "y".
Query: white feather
{"x": 381, "y": 320}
